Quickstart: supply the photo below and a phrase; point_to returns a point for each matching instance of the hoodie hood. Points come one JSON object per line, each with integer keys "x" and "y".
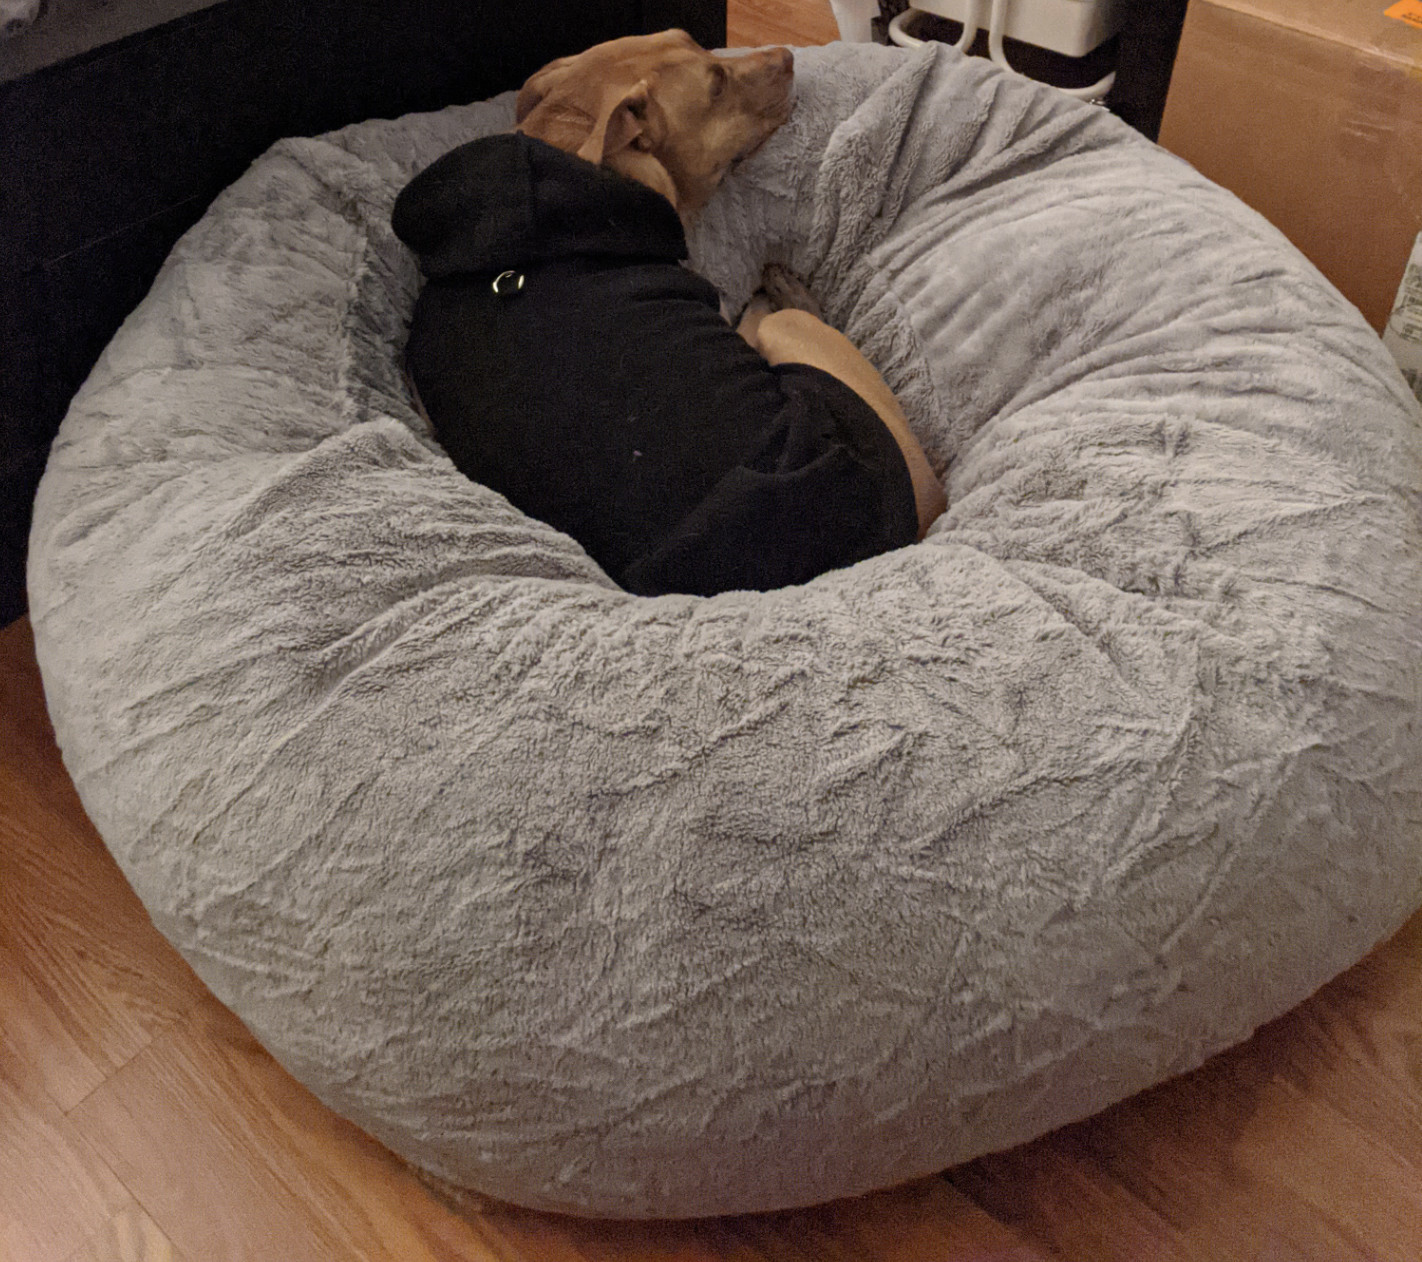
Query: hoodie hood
{"x": 509, "y": 201}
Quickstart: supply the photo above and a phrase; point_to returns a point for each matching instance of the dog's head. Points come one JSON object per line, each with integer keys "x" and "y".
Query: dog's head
{"x": 660, "y": 109}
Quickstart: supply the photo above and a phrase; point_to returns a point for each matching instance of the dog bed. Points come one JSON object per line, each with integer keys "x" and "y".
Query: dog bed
{"x": 678, "y": 906}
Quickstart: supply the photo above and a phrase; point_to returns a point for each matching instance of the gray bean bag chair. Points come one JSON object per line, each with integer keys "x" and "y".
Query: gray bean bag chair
{"x": 674, "y": 906}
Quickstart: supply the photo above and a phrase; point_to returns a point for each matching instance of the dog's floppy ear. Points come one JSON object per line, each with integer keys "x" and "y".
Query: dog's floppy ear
{"x": 626, "y": 136}
{"x": 623, "y": 120}
{"x": 607, "y": 125}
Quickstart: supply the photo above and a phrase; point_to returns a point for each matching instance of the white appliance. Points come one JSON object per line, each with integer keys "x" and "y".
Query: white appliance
{"x": 1070, "y": 27}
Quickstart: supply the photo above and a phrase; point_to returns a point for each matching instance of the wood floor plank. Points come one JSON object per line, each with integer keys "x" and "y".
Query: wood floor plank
{"x": 798, "y": 23}
{"x": 89, "y": 950}
{"x": 129, "y": 1236}
{"x": 528, "y": 1236}
{"x": 235, "y": 1160}
{"x": 54, "y": 1191}
{"x": 86, "y": 962}
{"x": 36, "y": 1044}
{"x": 923, "y": 1221}
{"x": 928, "y": 1219}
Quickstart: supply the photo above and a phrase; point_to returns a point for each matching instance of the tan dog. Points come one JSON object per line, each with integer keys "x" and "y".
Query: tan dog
{"x": 662, "y": 110}
{"x": 570, "y": 361}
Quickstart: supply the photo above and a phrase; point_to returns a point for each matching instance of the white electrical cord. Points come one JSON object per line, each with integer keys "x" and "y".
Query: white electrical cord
{"x": 997, "y": 27}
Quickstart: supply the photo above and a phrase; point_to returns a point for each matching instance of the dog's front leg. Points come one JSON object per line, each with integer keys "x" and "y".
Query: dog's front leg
{"x": 748, "y": 326}
{"x": 780, "y": 290}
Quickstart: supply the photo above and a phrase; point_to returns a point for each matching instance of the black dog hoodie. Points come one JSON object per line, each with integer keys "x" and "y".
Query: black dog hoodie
{"x": 569, "y": 361}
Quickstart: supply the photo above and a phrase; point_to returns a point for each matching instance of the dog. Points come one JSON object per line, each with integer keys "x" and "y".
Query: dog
{"x": 660, "y": 109}
{"x": 566, "y": 358}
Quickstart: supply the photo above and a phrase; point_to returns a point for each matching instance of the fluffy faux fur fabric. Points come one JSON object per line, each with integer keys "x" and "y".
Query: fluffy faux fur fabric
{"x": 678, "y": 906}
{"x": 17, "y": 15}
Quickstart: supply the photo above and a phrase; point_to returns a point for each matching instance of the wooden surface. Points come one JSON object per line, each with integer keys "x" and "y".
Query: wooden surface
{"x": 795, "y": 22}
{"x": 140, "y": 1121}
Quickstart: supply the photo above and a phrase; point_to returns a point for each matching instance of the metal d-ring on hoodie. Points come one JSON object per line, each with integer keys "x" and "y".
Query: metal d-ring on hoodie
{"x": 567, "y": 360}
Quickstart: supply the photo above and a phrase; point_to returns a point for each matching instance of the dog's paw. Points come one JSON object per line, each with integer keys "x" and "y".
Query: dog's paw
{"x": 786, "y": 291}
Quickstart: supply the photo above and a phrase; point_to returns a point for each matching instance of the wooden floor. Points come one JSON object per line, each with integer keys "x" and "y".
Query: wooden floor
{"x": 139, "y": 1120}
{"x": 794, "y": 22}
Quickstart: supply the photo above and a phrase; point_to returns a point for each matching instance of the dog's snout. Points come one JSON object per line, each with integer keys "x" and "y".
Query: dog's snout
{"x": 769, "y": 63}
{"x": 779, "y": 62}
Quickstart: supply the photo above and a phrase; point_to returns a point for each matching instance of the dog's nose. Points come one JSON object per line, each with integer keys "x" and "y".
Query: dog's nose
{"x": 779, "y": 62}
